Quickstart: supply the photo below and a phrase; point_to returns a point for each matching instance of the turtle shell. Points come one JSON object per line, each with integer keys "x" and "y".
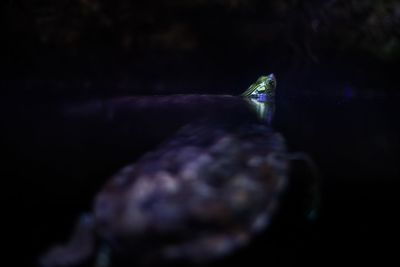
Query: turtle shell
{"x": 202, "y": 194}
{"x": 199, "y": 196}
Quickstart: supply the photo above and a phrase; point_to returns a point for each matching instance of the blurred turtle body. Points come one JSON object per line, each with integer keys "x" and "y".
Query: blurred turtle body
{"x": 201, "y": 195}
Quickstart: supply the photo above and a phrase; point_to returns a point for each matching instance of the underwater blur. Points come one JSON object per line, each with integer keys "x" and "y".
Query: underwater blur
{"x": 200, "y": 133}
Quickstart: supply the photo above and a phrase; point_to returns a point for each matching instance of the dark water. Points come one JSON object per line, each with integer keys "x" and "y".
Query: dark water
{"x": 60, "y": 155}
{"x": 355, "y": 142}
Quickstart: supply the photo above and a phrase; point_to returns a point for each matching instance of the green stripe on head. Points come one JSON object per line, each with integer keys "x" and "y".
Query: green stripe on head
{"x": 264, "y": 84}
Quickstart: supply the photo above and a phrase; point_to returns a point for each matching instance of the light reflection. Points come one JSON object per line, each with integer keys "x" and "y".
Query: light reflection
{"x": 265, "y": 109}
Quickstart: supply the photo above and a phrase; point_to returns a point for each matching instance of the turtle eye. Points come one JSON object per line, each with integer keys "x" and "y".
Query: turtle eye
{"x": 271, "y": 82}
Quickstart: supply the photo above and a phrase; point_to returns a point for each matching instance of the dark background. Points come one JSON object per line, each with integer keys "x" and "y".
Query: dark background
{"x": 336, "y": 64}
{"x": 99, "y": 47}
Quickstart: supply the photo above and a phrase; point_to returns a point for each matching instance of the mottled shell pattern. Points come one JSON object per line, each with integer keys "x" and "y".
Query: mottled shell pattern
{"x": 198, "y": 197}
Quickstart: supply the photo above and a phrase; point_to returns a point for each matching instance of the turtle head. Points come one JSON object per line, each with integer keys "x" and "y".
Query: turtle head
{"x": 264, "y": 87}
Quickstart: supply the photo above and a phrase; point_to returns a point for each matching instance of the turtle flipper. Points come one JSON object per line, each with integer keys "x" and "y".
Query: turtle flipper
{"x": 314, "y": 185}
{"x": 78, "y": 250}
{"x": 103, "y": 258}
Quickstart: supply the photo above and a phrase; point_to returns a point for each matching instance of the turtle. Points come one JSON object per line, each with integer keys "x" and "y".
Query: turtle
{"x": 202, "y": 194}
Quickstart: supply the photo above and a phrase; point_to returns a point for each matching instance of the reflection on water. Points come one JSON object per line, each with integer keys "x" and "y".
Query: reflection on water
{"x": 265, "y": 109}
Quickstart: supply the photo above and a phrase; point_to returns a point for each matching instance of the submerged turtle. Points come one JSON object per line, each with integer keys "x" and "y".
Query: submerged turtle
{"x": 201, "y": 195}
